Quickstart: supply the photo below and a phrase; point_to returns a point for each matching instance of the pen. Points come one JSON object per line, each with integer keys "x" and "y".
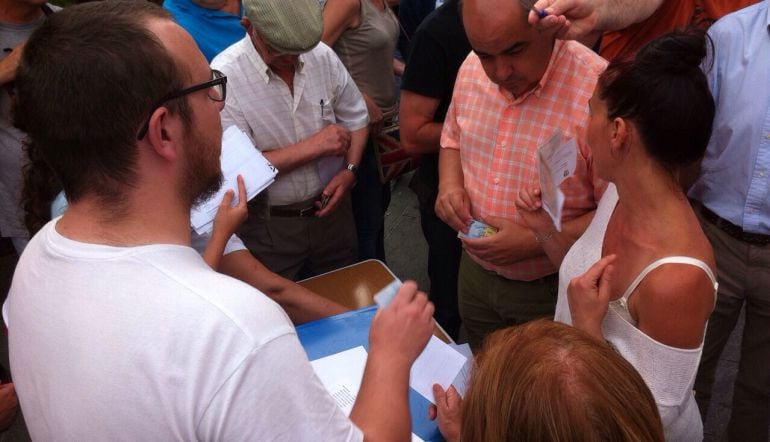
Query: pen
{"x": 322, "y": 108}
{"x": 530, "y": 5}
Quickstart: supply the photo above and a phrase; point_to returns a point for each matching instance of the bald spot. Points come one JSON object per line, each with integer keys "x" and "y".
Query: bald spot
{"x": 488, "y": 23}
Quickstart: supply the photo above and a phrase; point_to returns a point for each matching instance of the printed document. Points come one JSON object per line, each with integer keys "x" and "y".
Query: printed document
{"x": 556, "y": 162}
{"x": 238, "y": 157}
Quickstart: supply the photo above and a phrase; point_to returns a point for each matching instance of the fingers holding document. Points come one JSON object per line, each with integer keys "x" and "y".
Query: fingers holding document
{"x": 402, "y": 329}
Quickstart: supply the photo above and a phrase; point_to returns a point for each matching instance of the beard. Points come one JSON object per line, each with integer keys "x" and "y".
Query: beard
{"x": 202, "y": 176}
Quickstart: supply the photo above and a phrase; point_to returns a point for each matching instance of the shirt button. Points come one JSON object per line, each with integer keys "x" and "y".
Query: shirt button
{"x": 761, "y": 174}
{"x": 768, "y": 136}
{"x": 497, "y": 180}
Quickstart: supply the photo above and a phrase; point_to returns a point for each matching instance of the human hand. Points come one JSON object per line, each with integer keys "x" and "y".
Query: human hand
{"x": 530, "y": 207}
{"x": 568, "y": 19}
{"x": 454, "y": 207}
{"x": 228, "y": 217}
{"x": 334, "y": 192}
{"x": 8, "y": 405}
{"x": 447, "y": 410}
{"x": 589, "y": 296}
{"x": 10, "y": 63}
{"x": 400, "y": 331}
{"x": 332, "y": 140}
{"x": 505, "y": 247}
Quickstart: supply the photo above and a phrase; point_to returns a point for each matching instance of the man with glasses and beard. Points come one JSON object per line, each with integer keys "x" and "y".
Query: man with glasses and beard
{"x": 117, "y": 328}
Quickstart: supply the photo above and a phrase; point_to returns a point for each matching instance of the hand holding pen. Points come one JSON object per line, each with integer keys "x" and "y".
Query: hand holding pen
{"x": 568, "y": 19}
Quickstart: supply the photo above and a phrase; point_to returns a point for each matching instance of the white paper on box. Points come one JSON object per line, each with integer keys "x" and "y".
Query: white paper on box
{"x": 556, "y": 161}
{"x": 238, "y": 157}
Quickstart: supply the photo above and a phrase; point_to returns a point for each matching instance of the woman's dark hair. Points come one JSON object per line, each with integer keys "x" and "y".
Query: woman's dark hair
{"x": 665, "y": 93}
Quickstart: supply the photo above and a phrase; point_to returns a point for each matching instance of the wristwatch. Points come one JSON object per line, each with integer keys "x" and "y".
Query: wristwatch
{"x": 352, "y": 167}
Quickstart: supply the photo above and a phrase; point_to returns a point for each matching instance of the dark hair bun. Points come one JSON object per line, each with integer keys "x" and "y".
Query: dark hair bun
{"x": 665, "y": 93}
{"x": 678, "y": 52}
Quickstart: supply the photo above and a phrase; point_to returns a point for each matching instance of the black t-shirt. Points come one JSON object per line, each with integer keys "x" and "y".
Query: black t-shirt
{"x": 410, "y": 14}
{"x": 438, "y": 49}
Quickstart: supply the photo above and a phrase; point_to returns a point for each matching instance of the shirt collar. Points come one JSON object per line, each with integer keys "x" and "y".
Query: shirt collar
{"x": 263, "y": 70}
{"x": 537, "y": 90}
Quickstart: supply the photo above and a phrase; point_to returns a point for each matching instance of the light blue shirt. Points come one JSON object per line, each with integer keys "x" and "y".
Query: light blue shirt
{"x": 735, "y": 173}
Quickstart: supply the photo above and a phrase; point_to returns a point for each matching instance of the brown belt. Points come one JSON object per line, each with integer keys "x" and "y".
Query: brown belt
{"x": 301, "y": 209}
{"x": 733, "y": 230}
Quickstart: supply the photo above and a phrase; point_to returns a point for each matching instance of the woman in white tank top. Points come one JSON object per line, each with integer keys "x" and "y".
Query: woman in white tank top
{"x": 642, "y": 275}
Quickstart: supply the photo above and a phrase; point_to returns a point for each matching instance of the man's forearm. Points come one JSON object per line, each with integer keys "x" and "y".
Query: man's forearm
{"x": 614, "y": 15}
{"x": 419, "y": 133}
{"x": 291, "y": 157}
{"x": 300, "y": 304}
{"x": 425, "y": 139}
{"x": 450, "y": 169}
{"x": 357, "y": 145}
{"x": 381, "y": 410}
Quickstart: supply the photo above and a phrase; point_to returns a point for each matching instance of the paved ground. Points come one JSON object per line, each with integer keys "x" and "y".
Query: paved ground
{"x": 407, "y": 254}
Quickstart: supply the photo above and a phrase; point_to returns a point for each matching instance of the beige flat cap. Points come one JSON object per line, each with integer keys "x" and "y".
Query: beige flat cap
{"x": 289, "y": 26}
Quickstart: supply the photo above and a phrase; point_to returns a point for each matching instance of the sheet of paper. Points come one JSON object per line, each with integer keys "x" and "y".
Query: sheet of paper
{"x": 238, "y": 157}
{"x": 437, "y": 364}
{"x": 464, "y": 376}
{"x": 556, "y": 162}
{"x": 341, "y": 375}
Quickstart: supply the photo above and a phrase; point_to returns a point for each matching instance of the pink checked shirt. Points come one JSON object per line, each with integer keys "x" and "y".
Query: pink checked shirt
{"x": 498, "y": 136}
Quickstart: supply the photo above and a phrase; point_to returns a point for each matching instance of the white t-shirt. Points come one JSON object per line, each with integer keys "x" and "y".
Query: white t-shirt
{"x": 148, "y": 343}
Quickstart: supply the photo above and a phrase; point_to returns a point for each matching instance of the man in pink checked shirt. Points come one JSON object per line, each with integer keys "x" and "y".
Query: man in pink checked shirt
{"x": 514, "y": 90}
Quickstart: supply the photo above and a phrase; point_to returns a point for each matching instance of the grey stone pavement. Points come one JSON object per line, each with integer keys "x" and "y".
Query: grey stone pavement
{"x": 407, "y": 257}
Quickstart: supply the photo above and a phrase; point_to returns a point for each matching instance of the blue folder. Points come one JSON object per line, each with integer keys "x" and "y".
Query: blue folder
{"x": 341, "y": 332}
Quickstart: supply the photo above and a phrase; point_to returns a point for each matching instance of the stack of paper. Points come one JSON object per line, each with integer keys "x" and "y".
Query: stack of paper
{"x": 238, "y": 157}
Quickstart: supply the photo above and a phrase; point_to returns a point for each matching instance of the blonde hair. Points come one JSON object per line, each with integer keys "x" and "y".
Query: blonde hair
{"x": 546, "y": 381}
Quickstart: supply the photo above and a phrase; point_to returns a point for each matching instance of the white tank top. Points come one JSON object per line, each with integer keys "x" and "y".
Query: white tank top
{"x": 668, "y": 371}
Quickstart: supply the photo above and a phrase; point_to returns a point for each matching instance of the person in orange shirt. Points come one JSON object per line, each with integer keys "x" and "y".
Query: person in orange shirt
{"x": 514, "y": 91}
{"x": 629, "y": 24}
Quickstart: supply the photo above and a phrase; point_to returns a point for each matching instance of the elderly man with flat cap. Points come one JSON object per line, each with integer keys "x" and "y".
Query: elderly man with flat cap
{"x": 297, "y": 102}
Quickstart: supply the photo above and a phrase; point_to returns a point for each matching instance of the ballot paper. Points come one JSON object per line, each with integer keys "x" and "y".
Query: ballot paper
{"x": 463, "y": 378}
{"x": 556, "y": 161}
{"x": 437, "y": 364}
{"x": 238, "y": 157}
{"x": 387, "y": 293}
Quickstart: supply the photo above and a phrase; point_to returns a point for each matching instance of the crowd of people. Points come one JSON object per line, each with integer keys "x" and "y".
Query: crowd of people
{"x": 605, "y": 324}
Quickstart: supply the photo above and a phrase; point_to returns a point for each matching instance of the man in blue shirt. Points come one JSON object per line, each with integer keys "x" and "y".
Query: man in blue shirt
{"x": 733, "y": 192}
{"x": 213, "y": 24}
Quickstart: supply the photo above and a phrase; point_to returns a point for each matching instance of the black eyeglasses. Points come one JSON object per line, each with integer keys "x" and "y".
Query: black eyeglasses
{"x": 218, "y": 92}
